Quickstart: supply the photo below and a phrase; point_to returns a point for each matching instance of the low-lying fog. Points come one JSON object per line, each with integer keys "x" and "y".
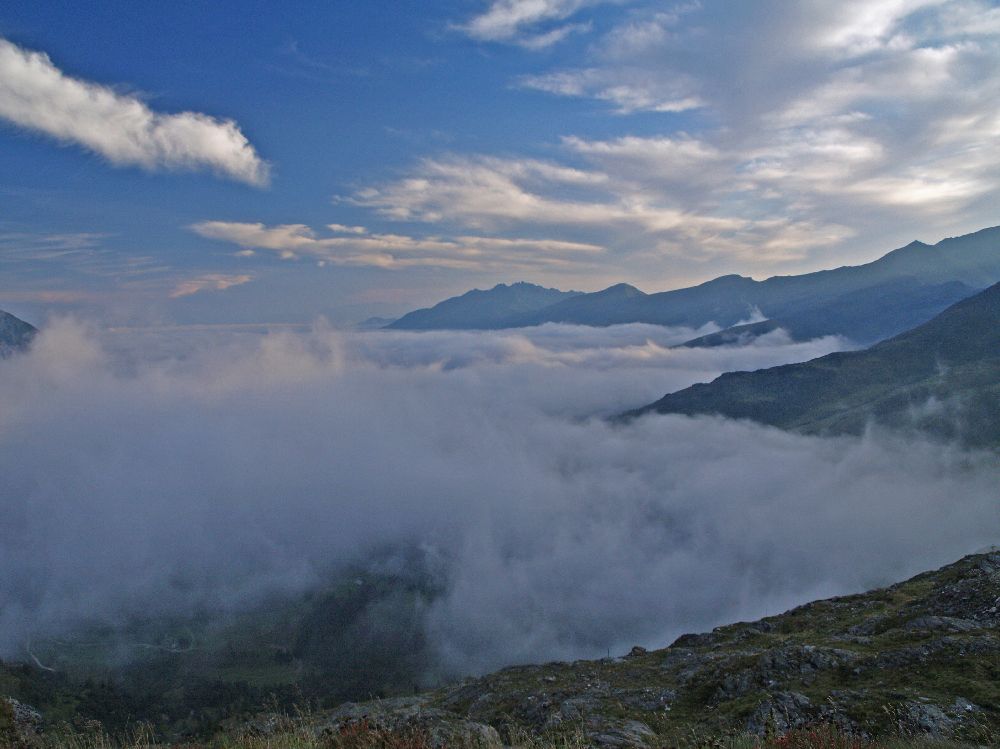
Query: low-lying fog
{"x": 163, "y": 471}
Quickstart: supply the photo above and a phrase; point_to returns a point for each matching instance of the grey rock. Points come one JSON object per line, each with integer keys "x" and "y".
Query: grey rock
{"x": 648, "y": 699}
{"x": 443, "y": 728}
{"x": 940, "y": 623}
{"x": 782, "y": 712}
{"x": 629, "y": 733}
{"x": 929, "y": 719}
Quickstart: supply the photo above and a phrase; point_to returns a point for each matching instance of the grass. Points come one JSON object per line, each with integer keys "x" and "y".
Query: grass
{"x": 301, "y": 733}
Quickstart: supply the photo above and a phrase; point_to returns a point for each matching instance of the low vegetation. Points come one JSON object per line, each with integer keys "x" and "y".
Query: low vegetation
{"x": 913, "y": 665}
{"x": 298, "y": 733}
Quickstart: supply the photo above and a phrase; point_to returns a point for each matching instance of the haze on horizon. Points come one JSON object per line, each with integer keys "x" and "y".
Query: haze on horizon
{"x": 240, "y": 163}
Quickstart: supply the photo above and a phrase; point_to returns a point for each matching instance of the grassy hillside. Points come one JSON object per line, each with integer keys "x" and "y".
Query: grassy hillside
{"x": 360, "y": 637}
{"x": 918, "y": 659}
{"x": 921, "y": 658}
{"x": 942, "y": 377}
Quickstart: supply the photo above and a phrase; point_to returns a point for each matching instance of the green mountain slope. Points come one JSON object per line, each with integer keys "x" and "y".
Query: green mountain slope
{"x": 943, "y": 376}
{"x": 918, "y": 658}
{"x": 15, "y": 334}
{"x": 479, "y": 309}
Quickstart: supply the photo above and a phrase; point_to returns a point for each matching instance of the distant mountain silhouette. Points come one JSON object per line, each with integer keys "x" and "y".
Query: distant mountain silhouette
{"x": 865, "y": 303}
{"x": 479, "y": 309}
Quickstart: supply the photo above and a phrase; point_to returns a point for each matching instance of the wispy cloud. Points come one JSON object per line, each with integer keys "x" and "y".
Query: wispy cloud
{"x": 630, "y": 91}
{"x": 209, "y": 282}
{"x": 533, "y": 24}
{"x": 613, "y": 201}
{"x": 353, "y": 245}
{"x": 38, "y": 96}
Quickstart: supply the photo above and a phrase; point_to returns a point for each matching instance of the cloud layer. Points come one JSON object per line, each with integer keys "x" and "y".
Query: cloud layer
{"x": 164, "y": 477}
{"x": 36, "y": 95}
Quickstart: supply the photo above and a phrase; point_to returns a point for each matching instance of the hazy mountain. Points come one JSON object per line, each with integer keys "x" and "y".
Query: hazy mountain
{"x": 728, "y": 298}
{"x": 374, "y": 323}
{"x": 865, "y": 316}
{"x": 865, "y": 303}
{"x": 15, "y": 334}
{"x": 943, "y": 376}
{"x": 479, "y": 309}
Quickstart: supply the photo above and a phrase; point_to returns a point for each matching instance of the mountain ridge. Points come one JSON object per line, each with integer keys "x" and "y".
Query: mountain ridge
{"x": 924, "y": 280}
{"x": 481, "y": 308}
{"x": 942, "y": 377}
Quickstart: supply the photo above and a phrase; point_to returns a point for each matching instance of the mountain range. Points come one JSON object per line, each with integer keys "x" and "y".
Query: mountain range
{"x": 942, "y": 377}
{"x": 865, "y": 303}
{"x": 478, "y": 309}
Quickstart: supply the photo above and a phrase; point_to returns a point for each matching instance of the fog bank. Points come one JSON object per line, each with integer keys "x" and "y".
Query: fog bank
{"x": 143, "y": 472}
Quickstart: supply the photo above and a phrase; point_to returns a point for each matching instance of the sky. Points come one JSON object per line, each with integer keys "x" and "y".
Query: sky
{"x": 178, "y": 163}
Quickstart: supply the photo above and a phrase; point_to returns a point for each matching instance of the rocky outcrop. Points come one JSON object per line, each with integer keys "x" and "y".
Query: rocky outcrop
{"x": 443, "y": 728}
{"x": 20, "y": 724}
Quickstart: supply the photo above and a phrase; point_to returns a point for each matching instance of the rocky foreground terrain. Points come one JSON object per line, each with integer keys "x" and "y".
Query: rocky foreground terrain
{"x": 920, "y": 657}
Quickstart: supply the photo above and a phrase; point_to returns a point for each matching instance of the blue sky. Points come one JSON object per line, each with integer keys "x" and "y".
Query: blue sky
{"x": 172, "y": 163}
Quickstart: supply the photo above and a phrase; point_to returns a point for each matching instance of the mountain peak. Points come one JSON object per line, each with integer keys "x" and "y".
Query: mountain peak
{"x": 622, "y": 289}
{"x": 15, "y": 334}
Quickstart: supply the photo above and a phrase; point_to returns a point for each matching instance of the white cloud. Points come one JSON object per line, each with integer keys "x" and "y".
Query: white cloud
{"x": 209, "y": 282}
{"x": 621, "y": 200}
{"x": 36, "y": 95}
{"x": 862, "y": 26}
{"x": 630, "y": 91}
{"x": 356, "y": 246}
{"x": 517, "y": 21}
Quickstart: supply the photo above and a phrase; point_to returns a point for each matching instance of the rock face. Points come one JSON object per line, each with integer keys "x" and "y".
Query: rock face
{"x": 921, "y": 657}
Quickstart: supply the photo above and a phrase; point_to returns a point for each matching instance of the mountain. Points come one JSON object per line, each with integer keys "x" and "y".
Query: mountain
{"x": 478, "y": 309}
{"x": 15, "y": 334}
{"x": 943, "y": 377}
{"x": 728, "y": 298}
{"x": 865, "y": 303}
{"x": 919, "y": 659}
{"x": 374, "y": 323}
{"x": 865, "y": 316}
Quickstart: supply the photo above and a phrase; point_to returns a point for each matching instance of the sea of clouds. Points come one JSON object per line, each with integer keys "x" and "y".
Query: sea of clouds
{"x": 166, "y": 471}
